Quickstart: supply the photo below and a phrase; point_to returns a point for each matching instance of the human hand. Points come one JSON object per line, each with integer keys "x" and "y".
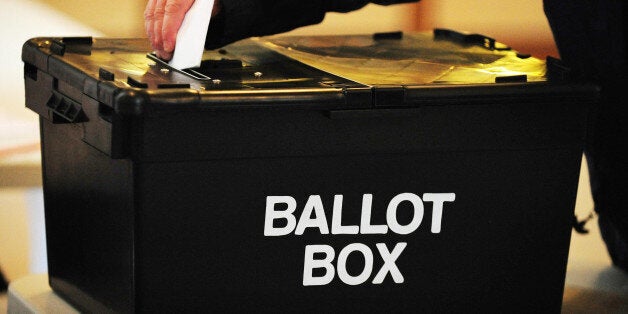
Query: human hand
{"x": 162, "y": 20}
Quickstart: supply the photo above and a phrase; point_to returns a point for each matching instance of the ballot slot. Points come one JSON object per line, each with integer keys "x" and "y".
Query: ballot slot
{"x": 190, "y": 72}
{"x": 216, "y": 72}
{"x": 227, "y": 69}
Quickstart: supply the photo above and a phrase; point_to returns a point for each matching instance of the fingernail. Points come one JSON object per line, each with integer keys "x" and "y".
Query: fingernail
{"x": 168, "y": 46}
{"x": 164, "y": 55}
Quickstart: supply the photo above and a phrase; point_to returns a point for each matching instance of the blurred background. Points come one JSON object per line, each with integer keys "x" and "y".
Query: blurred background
{"x": 518, "y": 23}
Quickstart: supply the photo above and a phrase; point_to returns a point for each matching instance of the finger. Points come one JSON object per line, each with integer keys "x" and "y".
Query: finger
{"x": 149, "y": 19}
{"x": 158, "y": 16}
{"x": 174, "y": 14}
{"x": 165, "y": 55}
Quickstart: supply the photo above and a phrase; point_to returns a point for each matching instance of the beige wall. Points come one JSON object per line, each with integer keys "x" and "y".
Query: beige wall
{"x": 124, "y": 18}
{"x": 14, "y": 237}
{"x": 370, "y": 19}
{"x": 21, "y": 245}
{"x": 114, "y": 18}
{"x": 519, "y": 23}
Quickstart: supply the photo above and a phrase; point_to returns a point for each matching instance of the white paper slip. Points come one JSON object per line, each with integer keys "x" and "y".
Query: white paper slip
{"x": 190, "y": 44}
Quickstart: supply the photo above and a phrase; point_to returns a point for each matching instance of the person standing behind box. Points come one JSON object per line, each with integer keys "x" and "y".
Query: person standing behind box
{"x": 589, "y": 34}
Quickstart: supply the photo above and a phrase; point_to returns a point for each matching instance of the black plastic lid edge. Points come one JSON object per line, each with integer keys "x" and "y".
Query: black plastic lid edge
{"x": 440, "y": 95}
{"x": 32, "y": 54}
{"x": 319, "y": 98}
{"x": 131, "y": 102}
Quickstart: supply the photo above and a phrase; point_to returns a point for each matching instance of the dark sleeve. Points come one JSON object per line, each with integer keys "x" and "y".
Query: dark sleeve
{"x": 241, "y": 19}
{"x": 590, "y": 36}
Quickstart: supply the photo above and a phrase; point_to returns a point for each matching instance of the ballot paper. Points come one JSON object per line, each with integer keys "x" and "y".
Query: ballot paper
{"x": 188, "y": 50}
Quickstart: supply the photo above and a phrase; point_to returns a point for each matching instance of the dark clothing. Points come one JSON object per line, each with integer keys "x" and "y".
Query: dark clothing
{"x": 3, "y": 283}
{"x": 241, "y": 19}
{"x": 591, "y": 40}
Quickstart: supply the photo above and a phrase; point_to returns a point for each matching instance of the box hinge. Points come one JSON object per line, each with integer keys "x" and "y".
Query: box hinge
{"x": 358, "y": 97}
{"x": 389, "y": 96}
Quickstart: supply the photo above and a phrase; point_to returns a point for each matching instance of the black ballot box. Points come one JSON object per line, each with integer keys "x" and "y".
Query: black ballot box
{"x": 414, "y": 172}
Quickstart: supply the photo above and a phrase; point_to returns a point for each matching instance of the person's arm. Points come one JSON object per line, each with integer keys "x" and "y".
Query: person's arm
{"x": 238, "y": 19}
{"x": 241, "y": 19}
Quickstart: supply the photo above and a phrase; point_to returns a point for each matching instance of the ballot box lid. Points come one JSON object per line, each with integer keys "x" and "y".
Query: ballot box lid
{"x": 320, "y": 72}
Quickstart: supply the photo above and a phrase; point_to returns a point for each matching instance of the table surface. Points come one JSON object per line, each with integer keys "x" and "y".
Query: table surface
{"x": 31, "y": 294}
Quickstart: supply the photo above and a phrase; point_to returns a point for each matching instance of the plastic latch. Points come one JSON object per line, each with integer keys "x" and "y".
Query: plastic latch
{"x": 80, "y": 45}
{"x": 469, "y": 39}
{"x": 57, "y": 47}
{"x": 388, "y": 35}
{"x": 512, "y": 79}
{"x": 65, "y": 110}
{"x": 78, "y": 40}
{"x": 135, "y": 83}
{"x": 105, "y": 75}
